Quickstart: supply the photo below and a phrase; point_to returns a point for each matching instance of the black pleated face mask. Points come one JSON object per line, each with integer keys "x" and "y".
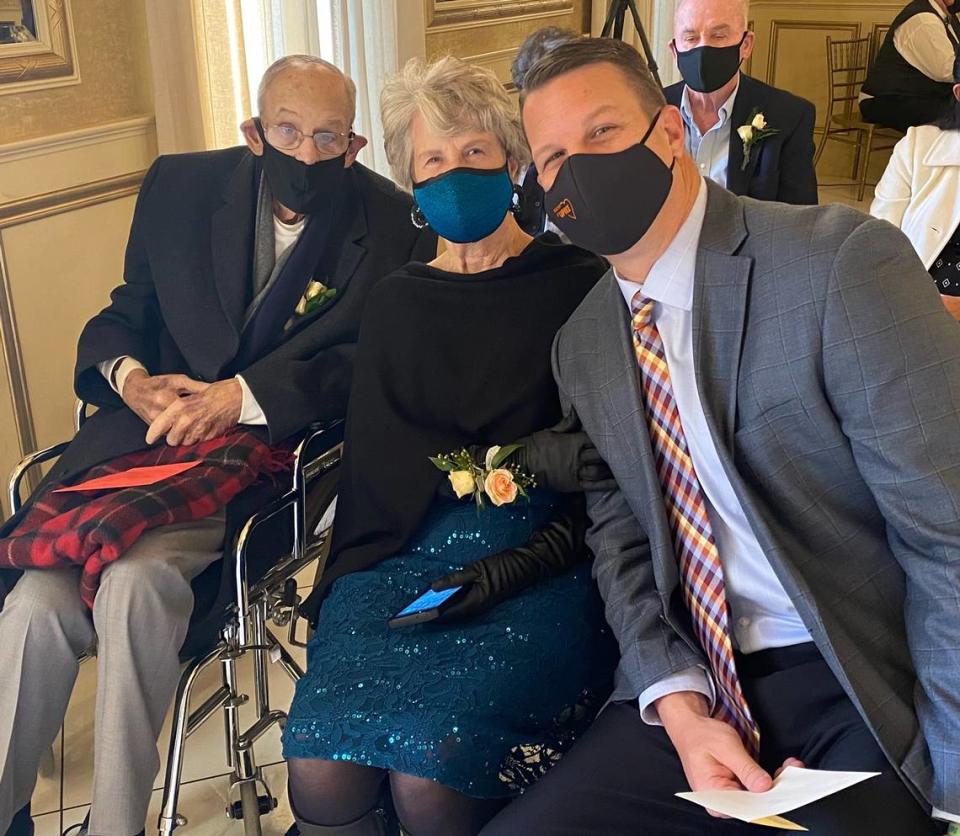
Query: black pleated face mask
{"x": 707, "y": 68}
{"x": 605, "y": 203}
{"x": 302, "y": 188}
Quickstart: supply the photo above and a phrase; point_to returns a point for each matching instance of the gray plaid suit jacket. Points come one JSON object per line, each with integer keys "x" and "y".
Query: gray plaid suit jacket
{"x": 829, "y": 373}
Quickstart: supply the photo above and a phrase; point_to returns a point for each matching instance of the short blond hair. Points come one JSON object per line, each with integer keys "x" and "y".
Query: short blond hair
{"x": 453, "y": 97}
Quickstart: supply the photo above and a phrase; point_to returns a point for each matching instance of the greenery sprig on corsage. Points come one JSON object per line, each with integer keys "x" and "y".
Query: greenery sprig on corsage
{"x": 497, "y": 479}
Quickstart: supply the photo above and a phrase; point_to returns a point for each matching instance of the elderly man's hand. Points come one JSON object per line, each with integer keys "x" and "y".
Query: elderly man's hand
{"x": 199, "y": 417}
{"x": 149, "y": 395}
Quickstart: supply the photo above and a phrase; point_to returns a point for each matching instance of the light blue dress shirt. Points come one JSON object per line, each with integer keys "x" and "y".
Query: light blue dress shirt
{"x": 712, "y": 149}
{"x": 760, "y": 611}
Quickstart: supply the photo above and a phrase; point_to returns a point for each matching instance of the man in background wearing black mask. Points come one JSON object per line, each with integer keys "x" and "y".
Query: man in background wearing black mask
{"x": 246, "y": 271}
{"x": 718, "y": 102}
{"x": 780, "y": 559}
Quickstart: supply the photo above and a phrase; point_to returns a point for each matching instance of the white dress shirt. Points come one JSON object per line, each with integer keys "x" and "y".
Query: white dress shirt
{"x": 925, "y": 45}
{"x": 712, "y": 149}
{"x": 760, "y": 611}
{"x": 117, "y": 369}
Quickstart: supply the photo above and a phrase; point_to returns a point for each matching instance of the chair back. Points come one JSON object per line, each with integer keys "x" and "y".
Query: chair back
{"x": 847, "y": 66}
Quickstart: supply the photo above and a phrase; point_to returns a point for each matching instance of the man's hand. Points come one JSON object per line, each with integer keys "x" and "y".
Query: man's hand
{"x": 711, "y": 752}
{"x": 200, "y": 417}
{"x": 149, "y": 395}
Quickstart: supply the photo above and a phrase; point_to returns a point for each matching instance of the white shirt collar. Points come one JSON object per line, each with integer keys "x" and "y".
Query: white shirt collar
{"x": 938, "y": 9}
{"x": 670, "y": 280}
{"x": 726, "y": 109}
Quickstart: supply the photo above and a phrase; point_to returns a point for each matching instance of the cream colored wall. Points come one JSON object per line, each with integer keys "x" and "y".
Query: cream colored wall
{"x": 71, "y": 161}
{"x": 114, "y": 64}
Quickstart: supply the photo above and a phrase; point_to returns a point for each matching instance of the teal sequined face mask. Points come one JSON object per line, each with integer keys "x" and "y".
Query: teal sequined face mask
{"x": 465, "y": 204}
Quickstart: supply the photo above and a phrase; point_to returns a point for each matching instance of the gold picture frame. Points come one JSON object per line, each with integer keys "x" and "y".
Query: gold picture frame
{"x": 48, "y": 59}
{"x": 465, "y": 13}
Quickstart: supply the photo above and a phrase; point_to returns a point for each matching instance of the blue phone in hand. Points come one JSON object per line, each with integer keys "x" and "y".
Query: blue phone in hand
{"x": 427, "y": 607}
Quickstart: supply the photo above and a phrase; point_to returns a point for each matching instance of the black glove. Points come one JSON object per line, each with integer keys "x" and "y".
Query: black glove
{"x": 561, "y": 458}
{"x": 550, "y": 551}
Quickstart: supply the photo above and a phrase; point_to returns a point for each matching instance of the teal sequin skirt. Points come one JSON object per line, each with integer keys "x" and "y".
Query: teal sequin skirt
{"x": 484, "y": 707}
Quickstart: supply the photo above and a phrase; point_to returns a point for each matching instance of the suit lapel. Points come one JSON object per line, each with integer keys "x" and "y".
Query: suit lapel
{"x": 721, "y": 284}
{"x": 351, "y": 230}
{"x": 738, "y": 179}
{"x": 231, "y": 237}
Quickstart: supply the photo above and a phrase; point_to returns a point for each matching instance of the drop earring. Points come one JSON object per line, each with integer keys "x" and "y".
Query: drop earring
{"x": 516, "y": 202}
{"x": 417, "y": 217}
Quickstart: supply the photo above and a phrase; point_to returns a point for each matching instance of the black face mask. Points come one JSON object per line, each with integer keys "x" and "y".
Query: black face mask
{"x": 707, "y": 68}
{"x": 606, "y": 202}
{"x": 304, "y": 189}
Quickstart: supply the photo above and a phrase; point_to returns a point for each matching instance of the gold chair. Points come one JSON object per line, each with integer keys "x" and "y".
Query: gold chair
{"x": 847, "y": 65}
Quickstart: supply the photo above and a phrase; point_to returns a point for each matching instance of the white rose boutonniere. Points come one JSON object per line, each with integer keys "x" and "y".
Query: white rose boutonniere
{"x": 316, "y": 294}
{"x": 753, "y": 133}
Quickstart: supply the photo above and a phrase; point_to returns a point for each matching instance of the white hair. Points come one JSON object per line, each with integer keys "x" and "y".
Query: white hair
{"x": 453, "y": 97}
{"x": 290, "y": 62}
{"x": 743, "y": 5}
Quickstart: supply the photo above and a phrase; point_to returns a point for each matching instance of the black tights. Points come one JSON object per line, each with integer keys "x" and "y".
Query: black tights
{"x": 329, "y": 793}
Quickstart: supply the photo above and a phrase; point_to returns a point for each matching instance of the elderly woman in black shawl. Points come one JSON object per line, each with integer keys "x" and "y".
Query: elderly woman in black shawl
{"x": 450, "y": 718}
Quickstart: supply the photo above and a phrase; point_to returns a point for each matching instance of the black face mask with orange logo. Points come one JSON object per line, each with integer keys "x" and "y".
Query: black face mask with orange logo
{"x": 605, "y": 203}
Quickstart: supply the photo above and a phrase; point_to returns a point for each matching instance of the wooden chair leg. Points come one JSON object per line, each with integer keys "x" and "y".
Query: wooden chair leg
{"x": 865, "y": 164}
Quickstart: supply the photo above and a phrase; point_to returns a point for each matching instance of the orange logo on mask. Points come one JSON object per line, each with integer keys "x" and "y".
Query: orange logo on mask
{"x": 564, "y": 209}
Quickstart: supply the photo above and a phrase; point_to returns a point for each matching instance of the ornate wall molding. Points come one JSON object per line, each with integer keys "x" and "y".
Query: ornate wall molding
{"x": 461, "y": 14}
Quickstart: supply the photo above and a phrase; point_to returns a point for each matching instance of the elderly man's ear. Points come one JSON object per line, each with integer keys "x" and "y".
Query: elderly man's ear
{"x": 255, "y": 144}
{"x": 252, "y": 137}
{"x": 355, "y": 147}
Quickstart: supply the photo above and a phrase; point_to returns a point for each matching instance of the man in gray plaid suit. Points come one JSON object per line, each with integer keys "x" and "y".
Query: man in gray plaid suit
{"x": 813, "y": 379}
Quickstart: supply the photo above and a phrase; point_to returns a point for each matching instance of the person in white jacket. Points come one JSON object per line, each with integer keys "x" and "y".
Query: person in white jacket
{"x": 920, "y": 193}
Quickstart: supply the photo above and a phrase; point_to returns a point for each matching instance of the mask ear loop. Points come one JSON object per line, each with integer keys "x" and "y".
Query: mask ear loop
{"x": 417, "y": 218}
{"x": 653, "y": 124}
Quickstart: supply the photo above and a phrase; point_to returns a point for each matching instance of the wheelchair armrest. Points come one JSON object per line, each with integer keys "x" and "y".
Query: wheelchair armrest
{"x": 317, "y": 453}
{"x": 25, "y": 465}
{"x": 31, "y": 460}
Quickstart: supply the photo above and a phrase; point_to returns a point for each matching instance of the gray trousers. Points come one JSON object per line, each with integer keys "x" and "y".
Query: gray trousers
{"x": 139, "y": 621}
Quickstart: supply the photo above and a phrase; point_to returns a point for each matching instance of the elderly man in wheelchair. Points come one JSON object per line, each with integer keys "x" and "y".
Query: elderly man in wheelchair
{"x": 231, "y": 336}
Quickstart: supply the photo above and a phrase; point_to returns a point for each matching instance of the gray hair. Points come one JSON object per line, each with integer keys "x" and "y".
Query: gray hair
{"x": 584, "y": 52}
{"x": 453, "y": 97}
{"x": 743, "y": 5}
{"x": 290, "y": 62}
{"x": 536, "y": 45}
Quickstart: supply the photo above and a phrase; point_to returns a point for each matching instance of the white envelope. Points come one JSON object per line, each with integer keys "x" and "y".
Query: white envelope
{"x": 794, "y": 788}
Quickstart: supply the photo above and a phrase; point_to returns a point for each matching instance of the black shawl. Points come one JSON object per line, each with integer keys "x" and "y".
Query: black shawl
{"x": 445, "y": 360}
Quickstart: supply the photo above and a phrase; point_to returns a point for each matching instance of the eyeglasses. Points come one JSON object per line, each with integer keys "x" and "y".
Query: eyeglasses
{"x": 288, "y": 138}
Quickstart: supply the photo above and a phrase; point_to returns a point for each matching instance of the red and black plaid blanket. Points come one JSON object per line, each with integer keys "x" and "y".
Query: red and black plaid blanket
{"x": 93, "y": 529}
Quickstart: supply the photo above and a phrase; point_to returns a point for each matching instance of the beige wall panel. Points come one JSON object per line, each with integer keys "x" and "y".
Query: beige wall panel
{"x": 494, "y": 42}
{"x": 9, "y": 448}
{"x": 61, "y": 270}
{"x": 62, "y": 161}
{"x": 111, "y": 37}
{"x": 794, "y": 44}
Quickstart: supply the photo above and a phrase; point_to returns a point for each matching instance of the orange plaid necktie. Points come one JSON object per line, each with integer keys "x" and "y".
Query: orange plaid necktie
{"x": 700, "y": 567}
